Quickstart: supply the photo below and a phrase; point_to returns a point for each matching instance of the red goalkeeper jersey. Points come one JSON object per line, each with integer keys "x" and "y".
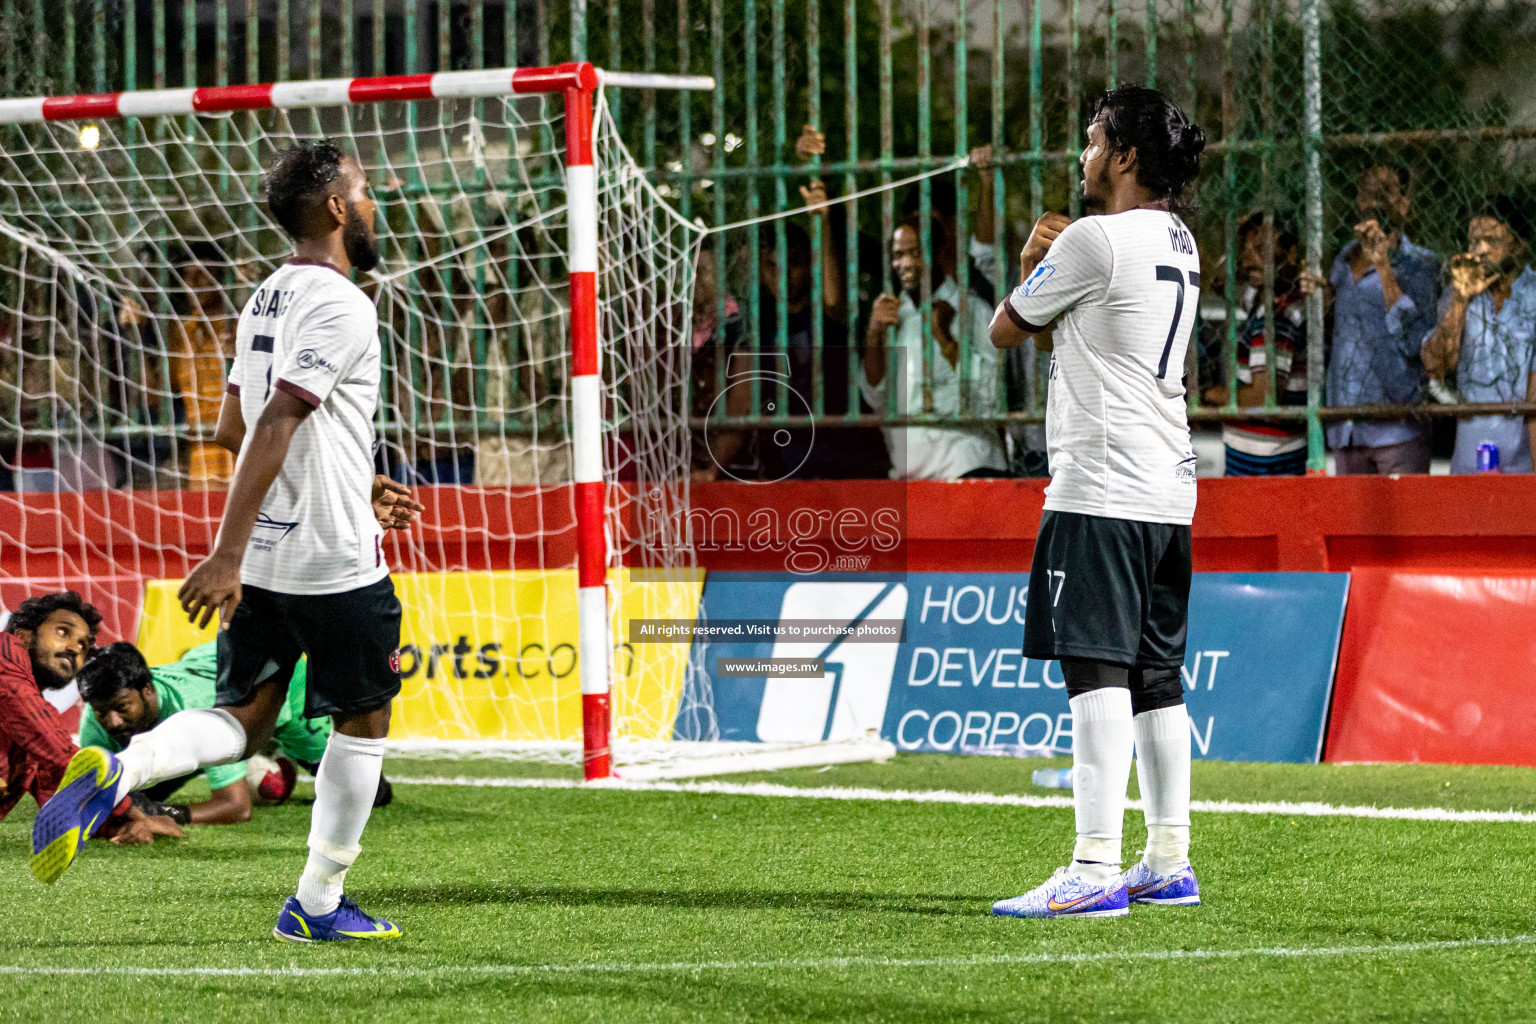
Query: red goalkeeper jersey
{"x": 34, "y": 745}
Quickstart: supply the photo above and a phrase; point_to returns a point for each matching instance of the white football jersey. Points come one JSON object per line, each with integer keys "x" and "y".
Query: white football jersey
{"x": 1123, "y": 291}
{"x": 311, "y": 332}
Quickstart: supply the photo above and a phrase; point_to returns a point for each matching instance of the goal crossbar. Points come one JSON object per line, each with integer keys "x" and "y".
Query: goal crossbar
{"x": 578, "y": 82}
{"x": 580, "y": 77}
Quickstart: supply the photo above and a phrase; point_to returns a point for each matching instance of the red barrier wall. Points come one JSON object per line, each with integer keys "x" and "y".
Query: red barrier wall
{"x": 1297, "y": 523}
{"x": 1436, "y": 666}
{"x": 1303, "y": 524}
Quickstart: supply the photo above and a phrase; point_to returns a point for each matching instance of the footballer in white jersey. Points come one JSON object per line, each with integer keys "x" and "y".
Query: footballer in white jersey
{"x": 298, "y": 568}
{"x": 1113, "y": 296}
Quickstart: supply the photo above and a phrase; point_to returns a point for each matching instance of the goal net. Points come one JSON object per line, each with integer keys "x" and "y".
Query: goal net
{"x": 129, "y": 246}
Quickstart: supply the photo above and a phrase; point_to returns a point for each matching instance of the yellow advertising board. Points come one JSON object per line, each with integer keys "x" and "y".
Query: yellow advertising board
{"x": 493, "y": 655}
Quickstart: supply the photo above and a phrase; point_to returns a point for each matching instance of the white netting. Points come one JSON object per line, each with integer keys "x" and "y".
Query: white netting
{"x": 128, "y": 248}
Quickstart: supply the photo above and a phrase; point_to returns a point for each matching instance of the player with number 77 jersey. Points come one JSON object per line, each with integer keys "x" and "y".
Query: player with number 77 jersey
{"x": 1114, "y": 297}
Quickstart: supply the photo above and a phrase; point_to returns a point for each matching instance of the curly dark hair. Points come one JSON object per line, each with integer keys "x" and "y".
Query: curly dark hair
{"x": 1167, "y": 143}
{"x": 1511, "y": 211}
{"x": 111, "y": 669}
{"x": 34, "y": 611}
{"x": 300, "y": 178}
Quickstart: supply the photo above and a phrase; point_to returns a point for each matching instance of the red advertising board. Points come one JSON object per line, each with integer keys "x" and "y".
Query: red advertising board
{"x": 1436, "y": 667}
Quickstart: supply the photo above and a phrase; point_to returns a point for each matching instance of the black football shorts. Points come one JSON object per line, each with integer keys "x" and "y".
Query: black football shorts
{"x": 350, "y": 639}
{"x": 1114, "y": 590}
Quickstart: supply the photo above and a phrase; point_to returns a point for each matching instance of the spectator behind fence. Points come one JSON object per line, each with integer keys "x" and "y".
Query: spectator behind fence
{"x": 1385, "y": 290}
{"x": 202, "y": 336}
{"x": 822, "y": 452}
{"x": 988, "y": 262}
{"x": 1274, "y": 448}
{"x": 943, "y": 201}
{"x": 1487, "y": 333}
{"x": 933, "y": 453}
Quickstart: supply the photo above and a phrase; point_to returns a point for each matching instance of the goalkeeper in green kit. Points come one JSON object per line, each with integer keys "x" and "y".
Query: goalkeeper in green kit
{"x": 124, "y": 696}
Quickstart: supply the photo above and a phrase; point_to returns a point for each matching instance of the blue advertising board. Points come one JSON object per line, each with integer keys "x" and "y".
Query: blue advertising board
{"x": 1257, "y": 675}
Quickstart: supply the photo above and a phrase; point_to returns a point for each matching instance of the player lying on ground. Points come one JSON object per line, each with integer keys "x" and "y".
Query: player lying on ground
{"x": 43, "y": 646}
{"x": 1113, "y": 296}
{"x": 124, "y": 697}
{"x": 298, "y": 568}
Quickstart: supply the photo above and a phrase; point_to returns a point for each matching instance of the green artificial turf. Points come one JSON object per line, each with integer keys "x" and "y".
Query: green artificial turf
{"x": 566, "y": 905}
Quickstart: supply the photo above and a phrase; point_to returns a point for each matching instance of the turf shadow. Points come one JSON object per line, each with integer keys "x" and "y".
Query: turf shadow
{"x": 932, "y": 904}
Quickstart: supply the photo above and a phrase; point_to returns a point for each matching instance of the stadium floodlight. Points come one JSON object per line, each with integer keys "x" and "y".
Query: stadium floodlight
{"x": 533, "y": 298}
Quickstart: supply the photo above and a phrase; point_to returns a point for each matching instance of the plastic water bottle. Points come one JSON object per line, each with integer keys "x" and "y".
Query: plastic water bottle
{"x": 1487, "y": 457}
{"x": 1053, "y": 778}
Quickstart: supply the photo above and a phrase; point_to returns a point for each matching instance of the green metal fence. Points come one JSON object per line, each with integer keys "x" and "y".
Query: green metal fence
{"x": 1297, "y": 96}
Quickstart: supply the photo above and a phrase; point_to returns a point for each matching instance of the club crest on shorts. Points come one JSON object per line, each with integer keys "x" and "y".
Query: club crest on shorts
{"x": 394, "y": 661}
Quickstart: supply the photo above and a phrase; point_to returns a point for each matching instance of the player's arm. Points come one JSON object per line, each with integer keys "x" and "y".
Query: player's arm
{"x": 1064, "y": 264}
{"x": 214, "y": 586}
{"x": 1011, "y": 325}
{"x": 230, "y": 433}
{"x": 227, "y": 805}
{"x": 330, "y": 337}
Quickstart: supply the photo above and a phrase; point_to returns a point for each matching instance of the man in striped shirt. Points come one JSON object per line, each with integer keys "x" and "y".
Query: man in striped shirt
{"x": 1268, "y": 447}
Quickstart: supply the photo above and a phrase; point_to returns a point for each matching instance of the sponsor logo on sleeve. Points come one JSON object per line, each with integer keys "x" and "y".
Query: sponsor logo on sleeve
{"x": 1035, "y": 280}
{"x": 309, "y": 359}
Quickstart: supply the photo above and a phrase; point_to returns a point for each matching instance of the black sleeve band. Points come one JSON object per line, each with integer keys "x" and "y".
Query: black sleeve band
{"x": 1019, "y": 321}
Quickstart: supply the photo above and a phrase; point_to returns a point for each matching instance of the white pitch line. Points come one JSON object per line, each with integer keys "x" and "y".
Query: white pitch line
{"x": 803, "y": 964}
{"x": 1310, "y": 809}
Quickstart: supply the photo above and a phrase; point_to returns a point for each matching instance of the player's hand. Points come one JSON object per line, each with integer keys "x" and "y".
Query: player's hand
{"x": 140, "y": 829}
{"x": 1470, "y": 276}
{"x": 393, "y": 505}
{"x": 214, "y": 586}
{"x": 981, "y": 158}
{"x": 810, "y": 143}
{"x": 815, "y": 196}
{"x": 1375, "y": 243}
{"x": 943, "y": 320}
{"x": 883, "y": 315}
{"x": 1046, "y": 230}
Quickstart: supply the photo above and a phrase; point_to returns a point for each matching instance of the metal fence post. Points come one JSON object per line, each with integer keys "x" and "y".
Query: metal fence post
{"x": 1312, "y": 97}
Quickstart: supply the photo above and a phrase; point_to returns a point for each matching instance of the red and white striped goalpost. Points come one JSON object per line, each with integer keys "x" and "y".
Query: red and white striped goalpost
{"x": 577, "y": 82}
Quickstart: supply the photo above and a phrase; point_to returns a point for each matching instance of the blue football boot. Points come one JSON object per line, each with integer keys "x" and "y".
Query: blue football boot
{"x": 85, "y": 798}
{"x": 1176, "y": 890}
{"x": 343, "y": 924}
{"x": 1066, "y": 895}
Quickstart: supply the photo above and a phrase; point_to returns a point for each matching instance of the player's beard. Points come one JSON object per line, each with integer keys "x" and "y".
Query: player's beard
{"x": 362, "y": 249}
{"x": 47, "y": 678}
{"x": 1095, "y": 202}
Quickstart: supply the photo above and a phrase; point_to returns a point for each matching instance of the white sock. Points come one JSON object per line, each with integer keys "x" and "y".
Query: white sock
{"x": 344, "y": 791}
{"x": 187, "y": 741}
{"x": 1162, "y": 768}
{"x": 1102, "y": 741}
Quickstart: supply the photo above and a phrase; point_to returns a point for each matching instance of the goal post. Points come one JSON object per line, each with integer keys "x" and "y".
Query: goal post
{"x": 92, "y": 266}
